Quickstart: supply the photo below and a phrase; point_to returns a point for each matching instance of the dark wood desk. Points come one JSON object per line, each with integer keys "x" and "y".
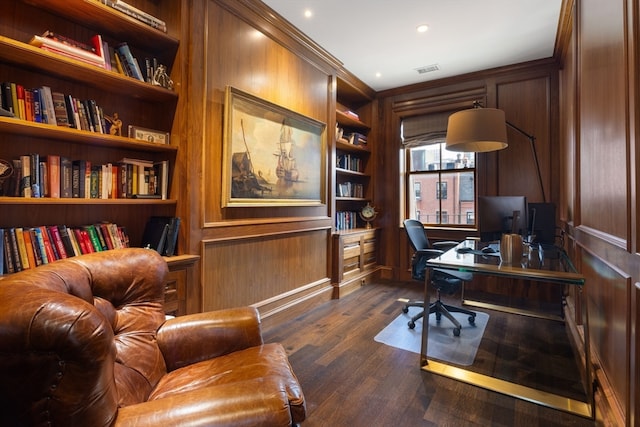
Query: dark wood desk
{"x": 556, "y": 269}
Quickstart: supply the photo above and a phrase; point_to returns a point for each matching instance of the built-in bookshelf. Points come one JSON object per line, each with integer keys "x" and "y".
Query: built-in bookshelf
{"x": 353, "y": 177}
{"x": 354, "y": 249}
{"x": 122, "y": 101}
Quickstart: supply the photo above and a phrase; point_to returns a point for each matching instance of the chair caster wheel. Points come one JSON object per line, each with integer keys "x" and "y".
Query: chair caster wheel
{"x": 472, "y": 320}
{"x": 456, "y": 332}
{"x": 405, "y": 309}
{"x": 411, "y": 324}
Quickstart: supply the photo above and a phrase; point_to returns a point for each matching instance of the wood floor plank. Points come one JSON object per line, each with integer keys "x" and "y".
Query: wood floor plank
{"x": 350, "y": 380}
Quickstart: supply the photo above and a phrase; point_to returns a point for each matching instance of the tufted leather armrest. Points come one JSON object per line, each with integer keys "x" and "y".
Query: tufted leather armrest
{"x": 188, "y": 339}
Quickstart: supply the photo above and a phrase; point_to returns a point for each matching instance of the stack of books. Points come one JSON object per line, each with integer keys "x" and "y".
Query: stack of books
{"x": 70, "y": 48}
{"x": 137, "y": 14}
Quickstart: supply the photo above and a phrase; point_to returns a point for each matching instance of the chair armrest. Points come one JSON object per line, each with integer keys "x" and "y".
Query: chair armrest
{"x": 444, "y": 245}
{"x": 256, "y": 402}
{"x": 185, "y": 340}
{"x": 428, "y": 253}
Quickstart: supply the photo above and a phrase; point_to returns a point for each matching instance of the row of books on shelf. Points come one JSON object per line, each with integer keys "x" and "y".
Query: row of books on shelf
{"x": 137, "y": 14}
{"x": 23, "y": 248}
{"x": 350, "y": 189}
{"x": 43, "y": 105}
{"x": 55, "y": 176}
{"x": 350, "y": 162}
{"x": 98, "y": 52}
{"x": 346, "y": 220}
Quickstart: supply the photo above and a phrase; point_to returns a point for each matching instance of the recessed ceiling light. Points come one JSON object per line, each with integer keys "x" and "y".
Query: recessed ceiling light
{"x": 308, "y": 13}
{"x": 378, "y": 74}
{"x": 422, "y": 28}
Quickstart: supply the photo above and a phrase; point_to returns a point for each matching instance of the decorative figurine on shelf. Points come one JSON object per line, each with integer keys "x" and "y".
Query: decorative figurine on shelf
{"x": 368, "y": 214}
{"x": 115, "y": 124}
{"x": 161, "y": 78}
{"x": 6, "y": 170}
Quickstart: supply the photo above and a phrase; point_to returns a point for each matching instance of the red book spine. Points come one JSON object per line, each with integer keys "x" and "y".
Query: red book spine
{"x": 57, "y": 240}
{"x": 87, "y": 241}
{"x": 83, "y": 246}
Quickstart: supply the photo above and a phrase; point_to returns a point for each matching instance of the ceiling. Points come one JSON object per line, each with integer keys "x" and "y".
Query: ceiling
{"x": 377, "y": 41}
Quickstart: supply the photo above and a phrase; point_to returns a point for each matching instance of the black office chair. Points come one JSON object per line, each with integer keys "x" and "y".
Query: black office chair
{"x": 447, "y": 281}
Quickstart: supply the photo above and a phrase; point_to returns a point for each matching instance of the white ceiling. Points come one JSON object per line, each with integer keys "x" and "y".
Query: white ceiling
{"x": 379, "y": 36}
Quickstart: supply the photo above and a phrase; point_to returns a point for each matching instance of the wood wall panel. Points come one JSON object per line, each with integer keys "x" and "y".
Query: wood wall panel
{"x": 608, "y": 295}
{"x": 239, "y": 43}
{"x": 635, "y": 355}
{"x": 568, "y": 113}
{"x": 252, "y": 270}
{"x": 241, "y": 55}
{"x": 604, "y": 174}
{"x": 526, "y": 104}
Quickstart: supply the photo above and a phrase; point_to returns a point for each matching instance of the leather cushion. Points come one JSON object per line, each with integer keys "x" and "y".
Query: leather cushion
{"x": 268, "y": 360}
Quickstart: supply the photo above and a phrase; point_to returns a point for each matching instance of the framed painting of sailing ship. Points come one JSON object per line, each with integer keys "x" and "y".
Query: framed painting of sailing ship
{"x": 272, "y": 156}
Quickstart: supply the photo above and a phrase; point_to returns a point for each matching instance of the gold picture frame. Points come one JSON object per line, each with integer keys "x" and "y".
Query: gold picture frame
{"x": 272, "y": 156}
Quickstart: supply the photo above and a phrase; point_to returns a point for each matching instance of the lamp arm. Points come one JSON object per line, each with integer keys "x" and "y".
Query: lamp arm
{"x": 532, "y": 142}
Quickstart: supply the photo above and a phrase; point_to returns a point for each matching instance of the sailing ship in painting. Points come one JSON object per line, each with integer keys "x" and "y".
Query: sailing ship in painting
{"x": 286, "y": 168}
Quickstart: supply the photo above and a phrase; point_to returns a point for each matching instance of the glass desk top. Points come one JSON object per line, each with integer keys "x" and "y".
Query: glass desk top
{"x": 547, "y": 264}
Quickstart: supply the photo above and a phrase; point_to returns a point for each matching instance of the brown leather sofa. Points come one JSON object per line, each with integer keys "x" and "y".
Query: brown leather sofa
{"x": 84, "y": 342}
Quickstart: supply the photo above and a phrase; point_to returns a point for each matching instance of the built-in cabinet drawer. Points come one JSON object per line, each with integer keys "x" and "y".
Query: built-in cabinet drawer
{"x": 354, "y": 257}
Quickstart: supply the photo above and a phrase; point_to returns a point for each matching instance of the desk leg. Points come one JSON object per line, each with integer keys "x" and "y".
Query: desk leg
{"x": 589, "y": 378}
{"x": 425, "y": 318}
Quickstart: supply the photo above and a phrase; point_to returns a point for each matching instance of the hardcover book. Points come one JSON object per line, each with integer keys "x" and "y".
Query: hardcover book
{"x": 66, "y": 178}
{"x": 53, "y": 168}
{"x": 129, "y": 61}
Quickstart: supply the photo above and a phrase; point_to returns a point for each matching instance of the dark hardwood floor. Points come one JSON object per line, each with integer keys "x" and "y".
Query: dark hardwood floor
{"x": 350, "y": 380}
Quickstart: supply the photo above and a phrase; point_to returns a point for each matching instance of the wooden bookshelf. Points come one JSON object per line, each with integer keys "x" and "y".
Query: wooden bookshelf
{"x": 137, "y": 103}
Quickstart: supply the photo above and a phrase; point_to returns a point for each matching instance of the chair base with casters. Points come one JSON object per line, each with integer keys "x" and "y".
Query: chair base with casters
{"x": 440, "y": 309}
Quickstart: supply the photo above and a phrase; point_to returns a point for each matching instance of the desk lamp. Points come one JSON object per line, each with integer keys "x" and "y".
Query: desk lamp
{"x": 481, "y": 130}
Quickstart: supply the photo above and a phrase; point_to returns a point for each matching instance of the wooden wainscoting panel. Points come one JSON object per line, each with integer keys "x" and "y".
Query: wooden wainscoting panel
{"x": 261, "y": 270}
{"x": 608, "y": 301}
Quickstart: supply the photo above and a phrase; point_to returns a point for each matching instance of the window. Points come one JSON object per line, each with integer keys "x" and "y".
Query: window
{"x": 417, "y": 188}
{"x": 443, "y": 181}
{"x": 441, "y": 190}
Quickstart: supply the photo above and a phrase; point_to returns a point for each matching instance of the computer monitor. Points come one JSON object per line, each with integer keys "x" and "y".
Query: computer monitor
{"x": 542, "y": 222}
{"x": 501, "y": 214}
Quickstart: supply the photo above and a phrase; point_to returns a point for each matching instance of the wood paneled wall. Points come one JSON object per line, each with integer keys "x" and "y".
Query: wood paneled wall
{"x": 268, "y": 256}
{"x": 245, "y": 270}
{"x": 599, "y": 204}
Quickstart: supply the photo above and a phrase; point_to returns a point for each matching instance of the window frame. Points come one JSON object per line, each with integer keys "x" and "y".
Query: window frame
{"x": 409, "y": 182}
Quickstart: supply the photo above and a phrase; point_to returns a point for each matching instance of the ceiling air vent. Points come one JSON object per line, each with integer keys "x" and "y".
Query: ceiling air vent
{"x": 428, "y": 69}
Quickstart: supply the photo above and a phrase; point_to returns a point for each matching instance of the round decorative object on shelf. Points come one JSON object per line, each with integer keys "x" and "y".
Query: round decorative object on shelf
{"x": 6, "y": 170}
{"x": 368, "y": 214}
